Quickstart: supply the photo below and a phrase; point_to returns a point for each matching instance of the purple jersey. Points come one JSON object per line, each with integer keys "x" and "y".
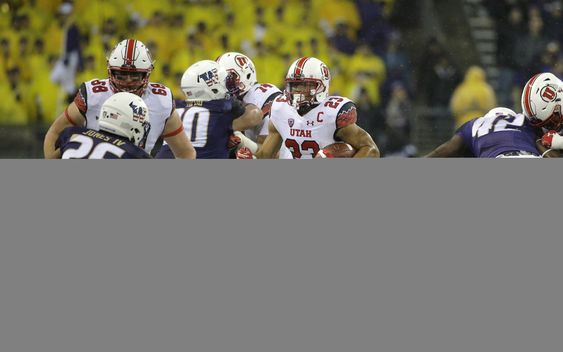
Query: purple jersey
{"x": 86, "y": 143}
{"x": 208, "y": 126}
{"x": 492, "y": 135}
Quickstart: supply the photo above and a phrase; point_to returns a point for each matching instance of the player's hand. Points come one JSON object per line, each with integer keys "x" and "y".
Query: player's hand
{"x": 547, "y": 138}
{"x": 245, "y": 153}
{"x": 233, "y": 142}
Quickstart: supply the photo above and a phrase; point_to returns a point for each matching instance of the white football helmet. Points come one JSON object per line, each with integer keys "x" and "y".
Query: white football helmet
{"x": 126, "y": 114}
{"x": 204, "y": 81}
{"x": 241, "y": 72}
{"x": 129, "y": 67}
{"x": 541, "y": 101}
{"x": 307, "y": 82}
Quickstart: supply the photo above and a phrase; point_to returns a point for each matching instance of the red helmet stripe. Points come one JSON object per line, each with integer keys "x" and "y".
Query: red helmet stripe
{"x": 300, "y": 65}
{"x": 130, "y": 50}
{"x": 527, "y": 104}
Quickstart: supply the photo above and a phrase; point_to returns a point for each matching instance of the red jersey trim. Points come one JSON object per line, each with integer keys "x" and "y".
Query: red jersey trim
{"x": 80, "y": 102}
{"x": 347, "y": 117}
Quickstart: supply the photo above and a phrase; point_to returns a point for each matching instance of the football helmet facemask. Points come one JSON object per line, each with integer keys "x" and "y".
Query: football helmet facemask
{"x": 129, "y": 67}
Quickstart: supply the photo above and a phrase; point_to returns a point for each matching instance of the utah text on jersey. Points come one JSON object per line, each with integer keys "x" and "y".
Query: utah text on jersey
{"x": 305, "y": 135}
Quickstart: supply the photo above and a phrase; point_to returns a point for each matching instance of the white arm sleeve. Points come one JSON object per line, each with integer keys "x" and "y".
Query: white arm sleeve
{"x": 246, "y": 142}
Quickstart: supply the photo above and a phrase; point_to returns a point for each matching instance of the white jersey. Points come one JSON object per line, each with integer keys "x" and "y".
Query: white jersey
{"x": 159, "y": 100}
{"x": 261, "y": 95}
{"x": 305, "y": 135}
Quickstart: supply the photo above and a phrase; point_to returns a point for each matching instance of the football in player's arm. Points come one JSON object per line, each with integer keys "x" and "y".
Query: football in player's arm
{"x": 348, "y": 132}
{"x": 129, "y": 68}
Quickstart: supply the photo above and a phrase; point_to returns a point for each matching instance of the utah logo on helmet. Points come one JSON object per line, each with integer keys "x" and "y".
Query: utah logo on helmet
{"x": 129, "y": 67}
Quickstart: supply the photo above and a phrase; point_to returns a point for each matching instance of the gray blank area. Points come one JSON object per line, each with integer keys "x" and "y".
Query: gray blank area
{"x": 340, "y": 255}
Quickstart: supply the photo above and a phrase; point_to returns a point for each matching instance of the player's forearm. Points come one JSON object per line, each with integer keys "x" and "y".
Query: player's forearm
{"x": 441, "y": 152}
{"x": 367, "y": 151}
{"x": 271, "y": 146}
{"x": 434, "y": 154}
{"x": 261, "y": 154}
{"x": 185, "y": 153}
{"x": 251, "y": 118}
{"x": 49, "y": 150}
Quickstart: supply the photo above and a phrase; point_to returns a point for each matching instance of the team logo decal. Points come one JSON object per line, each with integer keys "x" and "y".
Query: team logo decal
{"x": 209, "y": 77}
{"x": 291, "y": 122}
{"x": 548, "y": 94}
{"x": 325, "y": 72}
{"x": 241, "y": 60}
{"x": 139, "y": 112}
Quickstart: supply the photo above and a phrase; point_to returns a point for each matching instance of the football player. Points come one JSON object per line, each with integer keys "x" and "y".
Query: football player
{"x": 501, "y": 133}
{"x": 211, "y": 115}
{"x": 306, "y": 119}
{"x": 129, "y": 67}
{"x": 542, "y": 104}
{"x": 243, "y": 84}
{"x": 123, "y": 129}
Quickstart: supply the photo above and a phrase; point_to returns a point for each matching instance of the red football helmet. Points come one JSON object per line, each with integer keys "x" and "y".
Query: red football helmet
{"x": 129, "y": 67}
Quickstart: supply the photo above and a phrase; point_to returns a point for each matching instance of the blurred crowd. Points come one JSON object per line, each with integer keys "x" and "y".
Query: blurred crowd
{"x": 50, "y": 46}
{"x": 530, "y": 33}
